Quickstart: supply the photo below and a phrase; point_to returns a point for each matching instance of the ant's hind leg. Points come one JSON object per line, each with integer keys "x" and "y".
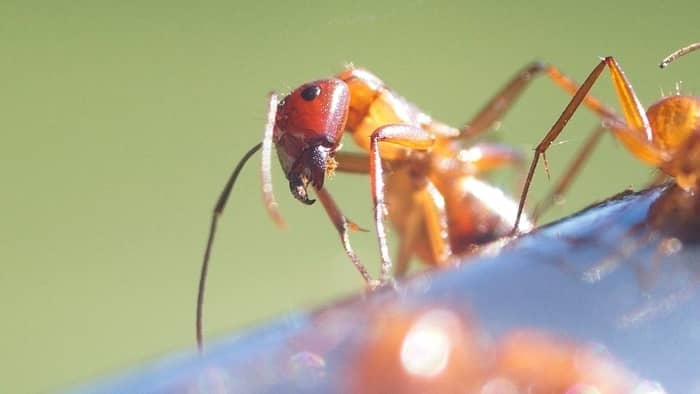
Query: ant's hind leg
{"x": 634, "y": 134}
{"x": 502, "y": 101}
{"x": 567, "y": 179}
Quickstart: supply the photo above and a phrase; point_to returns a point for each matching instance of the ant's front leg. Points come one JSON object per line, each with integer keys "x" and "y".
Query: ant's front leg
{"x": 410, "y": 137}
{"x": 342, "y": 225}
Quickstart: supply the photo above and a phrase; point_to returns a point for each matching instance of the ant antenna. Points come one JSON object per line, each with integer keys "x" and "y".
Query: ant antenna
{"x": 675, "y": 55}
{"x": 218, "y": 209}
{"x": 270, "y": 204}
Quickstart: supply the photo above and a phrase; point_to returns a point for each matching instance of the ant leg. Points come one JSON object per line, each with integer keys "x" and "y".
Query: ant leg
{"x": 634, "y": 139}
{"x": 594, "y": 137}
{"x": 400, "y": 134}
{"x": 408, "y": 240}
{"x": 571, "y": 87}
{"x": 554, "y": 133}
{"x": 342, "y": 224}
{"x": 567, "y": 179}
{"x": 358, "y": 163}
{"x": 354, "y": 163}
{"x": 501, "y": 102}
{"x": 504, "y": 99}
{"x": 634, "y": 131}
{"x": 632, "y": 109}
{"x": 427, "y": 211}
{"x": 435, "y": 220}
{"x": 629, "y": 134}
{"x": 426, "y": 226}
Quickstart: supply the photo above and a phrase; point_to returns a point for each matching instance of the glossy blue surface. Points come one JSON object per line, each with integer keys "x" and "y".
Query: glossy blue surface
{"x": 605, "y": 276}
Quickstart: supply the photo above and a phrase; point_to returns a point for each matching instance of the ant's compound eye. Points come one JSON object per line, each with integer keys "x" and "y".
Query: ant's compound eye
{"x": 310, "y": 92}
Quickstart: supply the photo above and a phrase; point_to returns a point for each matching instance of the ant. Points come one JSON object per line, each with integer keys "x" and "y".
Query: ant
{"x": 422, "y": 177}
{"x": 666, "y": 136}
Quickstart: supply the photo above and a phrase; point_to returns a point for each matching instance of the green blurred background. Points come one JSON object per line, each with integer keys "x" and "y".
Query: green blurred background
{"x": 121, "y": 121}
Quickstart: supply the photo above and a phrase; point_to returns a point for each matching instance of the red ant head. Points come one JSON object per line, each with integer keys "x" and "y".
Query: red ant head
{"x": 308, "y": 127}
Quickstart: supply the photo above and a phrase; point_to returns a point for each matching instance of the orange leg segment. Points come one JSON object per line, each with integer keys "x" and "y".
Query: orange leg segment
{"x": 354, "y": 163}
{"x": 426, "y": 225}
{"x": 427, "y": 210}
{"x": 414, "y": 222}
{"x": 399, "y": 134}
{"x": 502, "y": 101}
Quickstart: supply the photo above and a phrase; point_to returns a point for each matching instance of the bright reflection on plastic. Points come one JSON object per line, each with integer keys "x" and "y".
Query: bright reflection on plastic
{"x": 426, "y": 349}
{"x": 307, "y": 368}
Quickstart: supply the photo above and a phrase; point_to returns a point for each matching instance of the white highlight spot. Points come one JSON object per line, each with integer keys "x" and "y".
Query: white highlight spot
{"x": 649, "y": 387}
{"x": 427, "y": 346}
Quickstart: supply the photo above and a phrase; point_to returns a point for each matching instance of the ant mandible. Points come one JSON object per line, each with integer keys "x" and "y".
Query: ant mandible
{"x": 422, "y": 178}
{"x": 666, "y": 136}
